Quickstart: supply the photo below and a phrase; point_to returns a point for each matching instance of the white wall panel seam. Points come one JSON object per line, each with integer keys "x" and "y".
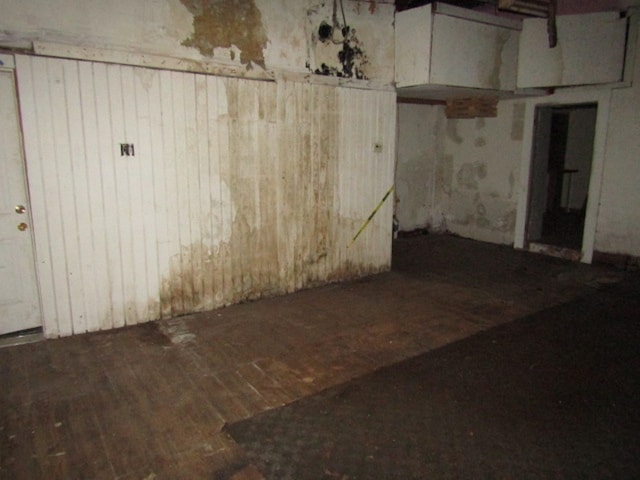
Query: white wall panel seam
{"x": 109, "y": 197}
{"x": 115, "y": 264}
{"x": 60, "y": 152}
{"x": 75, "y": 139}
{"x": 96, "y": 206}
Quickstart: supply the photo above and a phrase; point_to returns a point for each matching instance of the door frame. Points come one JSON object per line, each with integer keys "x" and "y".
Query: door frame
{"x": 602, "y": 98}
{"x": 7, "y": 64}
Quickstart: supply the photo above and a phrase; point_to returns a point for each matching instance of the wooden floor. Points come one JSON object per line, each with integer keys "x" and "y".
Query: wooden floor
{"x": 149, "y": 402}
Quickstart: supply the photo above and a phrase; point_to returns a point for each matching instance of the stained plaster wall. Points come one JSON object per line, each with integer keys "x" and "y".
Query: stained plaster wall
{"x": 251, "y": 38}
{"x": 473, "y": 189}
{"x": 466, "y": 182}
{"x": 482, "y": 157}
{"x": 419, "y": 141}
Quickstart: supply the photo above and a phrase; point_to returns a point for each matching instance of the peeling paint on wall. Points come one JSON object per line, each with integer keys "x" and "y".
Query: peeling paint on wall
{"x": 227, "y": 23}
{"x": 336, "y": 46}
{"x": 471, "y": 189}
{"x": 224, "y": 37}
{"x": 351, "y": 58}
{"x": 482, "y": 213}
{"x": 373, "y": 6}
{"x": 481, "y": 201}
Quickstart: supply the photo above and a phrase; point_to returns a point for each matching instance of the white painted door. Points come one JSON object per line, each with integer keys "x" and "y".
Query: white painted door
{"x": 19, "y": 304}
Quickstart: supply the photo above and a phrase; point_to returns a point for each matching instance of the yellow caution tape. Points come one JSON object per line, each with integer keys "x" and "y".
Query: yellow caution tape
{"x": 375, "y": 210}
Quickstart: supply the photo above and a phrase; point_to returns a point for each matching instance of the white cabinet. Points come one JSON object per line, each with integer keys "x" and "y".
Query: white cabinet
{"x": 590, "y": 50}
{"x": 443, "y": 45}
{"x": 444, "y": 51}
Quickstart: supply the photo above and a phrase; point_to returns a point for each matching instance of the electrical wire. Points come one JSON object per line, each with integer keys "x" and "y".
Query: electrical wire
{"x": 336, "y": 25}
{"x": 344, "y": 19}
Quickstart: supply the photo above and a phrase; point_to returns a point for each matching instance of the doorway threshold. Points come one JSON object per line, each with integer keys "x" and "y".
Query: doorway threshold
{"x": 555, "y": 251}
{"x": 21, "y": 338}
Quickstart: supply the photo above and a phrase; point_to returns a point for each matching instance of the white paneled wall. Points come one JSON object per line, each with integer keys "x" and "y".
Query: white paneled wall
{"x": 237, "y": 189}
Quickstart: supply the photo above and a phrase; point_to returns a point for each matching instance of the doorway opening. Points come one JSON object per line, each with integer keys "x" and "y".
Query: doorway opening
{"x": 560, "y": 173}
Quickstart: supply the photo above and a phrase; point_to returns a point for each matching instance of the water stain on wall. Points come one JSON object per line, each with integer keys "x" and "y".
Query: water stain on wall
{"x": 469, "y": 174}
{"x": 225, "y": 23}
{"x": 373, "y": 6}
{"x": 517, "y": 122}
{"x": 452, "y": 131}
{"x": 492, "y": 75}
{"x": 506, "y": 222}
{"x": 444, "y": 174}
{"x": 418, "y": 172}
{"x": 481, "y": 214}
{"x": 512, "y": 182}
{"x": 183, "y": 289}
{"x": 285, "y": 232}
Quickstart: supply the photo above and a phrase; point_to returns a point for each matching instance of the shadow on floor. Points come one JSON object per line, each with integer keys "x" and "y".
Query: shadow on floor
{"x": 553, "y": 395}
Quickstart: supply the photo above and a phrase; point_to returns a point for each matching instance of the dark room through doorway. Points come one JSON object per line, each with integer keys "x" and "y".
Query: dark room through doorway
{"x": 560, "y": 173}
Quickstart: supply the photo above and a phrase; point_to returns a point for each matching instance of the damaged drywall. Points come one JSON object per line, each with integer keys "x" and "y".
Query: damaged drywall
{"x": 485, "y": 162}
{"x": 348, "y": 41}
{"x": 227, "y": 23}
{"x": 252, "y": 38}
{"x": 342, "y": 44}
{"x": 466, "y": 182}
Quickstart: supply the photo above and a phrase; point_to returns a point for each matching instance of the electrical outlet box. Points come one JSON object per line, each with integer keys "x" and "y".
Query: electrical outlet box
{"x": 127, "y": 150}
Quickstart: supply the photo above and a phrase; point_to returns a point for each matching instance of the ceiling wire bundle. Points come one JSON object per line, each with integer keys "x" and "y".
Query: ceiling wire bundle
{"x": 336, "y": 26}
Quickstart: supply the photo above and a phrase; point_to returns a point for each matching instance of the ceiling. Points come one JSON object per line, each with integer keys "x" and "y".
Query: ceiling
{"x": 407, "y": 4}
{"x": 564, "y": 7}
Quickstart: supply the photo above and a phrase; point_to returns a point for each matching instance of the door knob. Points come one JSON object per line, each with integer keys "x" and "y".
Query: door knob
{"x": 22, "y": 226}
{"x": 20, "y": 209}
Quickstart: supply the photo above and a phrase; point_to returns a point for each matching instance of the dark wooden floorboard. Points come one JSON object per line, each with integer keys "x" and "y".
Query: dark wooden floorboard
{"x": 150, "y": 401}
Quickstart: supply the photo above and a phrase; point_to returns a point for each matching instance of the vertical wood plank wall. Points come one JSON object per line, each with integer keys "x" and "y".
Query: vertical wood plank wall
{"x": 238, "y": 188}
